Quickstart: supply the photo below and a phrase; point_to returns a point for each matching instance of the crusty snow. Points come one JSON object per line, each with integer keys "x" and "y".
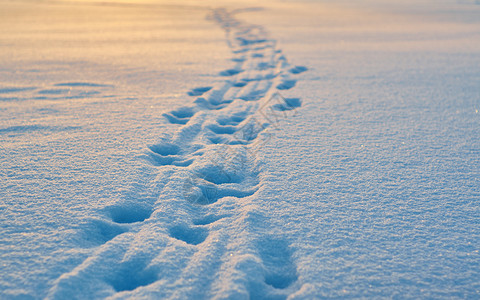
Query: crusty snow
{"x": 223, "y": 150}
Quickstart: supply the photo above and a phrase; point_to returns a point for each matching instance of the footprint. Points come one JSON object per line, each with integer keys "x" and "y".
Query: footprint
{"x": 183, "y": 112}
{"x": 289, "y": 104}
{"x": 244, "y": 41}
{"x": 199, "y": 91}
{"x": 158, "y": 160}
{"x": 189, "y": 235}
{"x": 125, "y": 214}
{"x": 175, "y": 120}
{"x": 238, "y": 59}
{"x": 280, "y": 270}
{"x": 298, "y": 69}
{"x": 165, "y": 149}
{"x": 235, "y": 119}
{"x": 202, "y": 102}
{"x": 240, "y": 84}
{"x": 208, "y": 193}
{"x": 166, "y": 154}
{"x": 173, "y": 160}
{"x": 180, "y": 116}
{"x": 286, "y": 84}
{"x": 230, "y": 72}
{"x": 225, "y": 129}
{"x": 218, "y": 175}
{"x": 131, "y": 275}
{"x": 183, "y": 163}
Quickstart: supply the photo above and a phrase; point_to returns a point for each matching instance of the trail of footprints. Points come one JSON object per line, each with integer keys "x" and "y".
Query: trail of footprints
{"x": 210, "y": 171}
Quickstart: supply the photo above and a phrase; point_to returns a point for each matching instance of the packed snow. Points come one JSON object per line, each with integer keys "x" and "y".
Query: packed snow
{"x": 222, "y": 150}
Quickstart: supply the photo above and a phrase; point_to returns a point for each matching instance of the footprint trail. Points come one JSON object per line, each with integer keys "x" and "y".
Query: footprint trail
{"x": 181, "y": 244}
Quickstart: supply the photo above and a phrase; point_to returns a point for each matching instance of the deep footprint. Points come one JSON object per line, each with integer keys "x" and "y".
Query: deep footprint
{"x": 166, "y": 154}
{"x": 230, "y": 72}
{"x": 286, "y": 85}
{"x": 192, "y": 236}
{"x": 235, "y": 119}
{"x": 217, "y": 175}
{"x": 165, "y": 149}
{"x": 199, "y": 91}
{"x": 224, "y": 129}
{"x": 183, "y": 112}
{"x": 207, "y": 193}
{"x": 202, "y": 102}
{"x": 132, "y": 275}
{"x": 280, "y": 271}
{"x": 298, "y": 69}
{"x": 159, "y": 160}
{"x": 175, "y": 120}
{"x": 129, "y": 213}
{"x": 240, "y": 84}
{"x": 238, "y": 59}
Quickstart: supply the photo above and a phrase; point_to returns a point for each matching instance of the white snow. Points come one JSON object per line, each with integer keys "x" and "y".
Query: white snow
{"x": 283, "y": 149}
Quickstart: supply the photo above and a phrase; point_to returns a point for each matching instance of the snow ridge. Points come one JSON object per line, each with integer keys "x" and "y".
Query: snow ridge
{"x": 203, "y": 237}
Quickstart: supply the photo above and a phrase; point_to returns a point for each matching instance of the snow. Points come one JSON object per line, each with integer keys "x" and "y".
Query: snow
{"x": 314, "y": 149}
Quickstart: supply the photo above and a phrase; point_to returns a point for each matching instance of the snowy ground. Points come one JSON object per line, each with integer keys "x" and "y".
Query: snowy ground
{"x": 314, "y": 149}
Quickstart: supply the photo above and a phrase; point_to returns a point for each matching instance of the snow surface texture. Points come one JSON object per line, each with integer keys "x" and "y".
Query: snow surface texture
{"x": 356, "y": 175}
